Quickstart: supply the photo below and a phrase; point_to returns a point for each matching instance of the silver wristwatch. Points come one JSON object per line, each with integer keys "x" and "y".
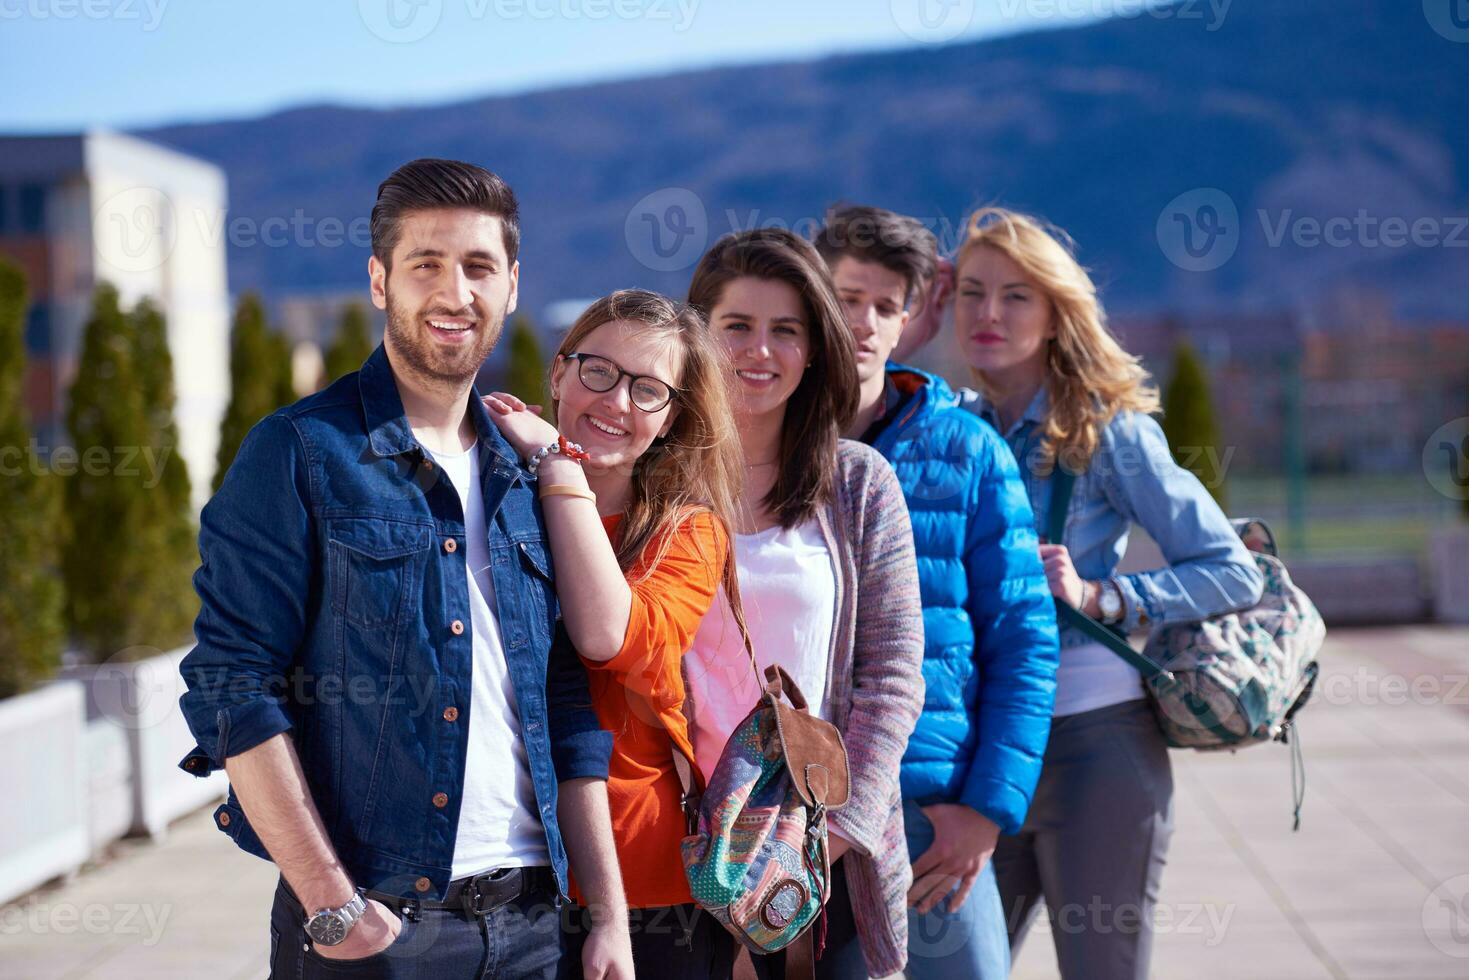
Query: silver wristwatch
{"x": 328, "y": 927}
{"x": 1109, "y": 601}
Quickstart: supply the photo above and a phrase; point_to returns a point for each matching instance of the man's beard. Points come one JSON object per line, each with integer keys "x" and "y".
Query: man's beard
{"x": 433, "y": 362}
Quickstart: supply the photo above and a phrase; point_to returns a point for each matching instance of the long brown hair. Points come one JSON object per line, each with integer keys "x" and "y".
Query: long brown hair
{"x": 826, "y": 399}
{"x": 1089, "y": 377}
{"x": 697, "y": 465}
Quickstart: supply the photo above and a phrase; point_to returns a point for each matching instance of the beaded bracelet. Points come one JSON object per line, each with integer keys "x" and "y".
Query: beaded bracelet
{"x": 569, "y": 449}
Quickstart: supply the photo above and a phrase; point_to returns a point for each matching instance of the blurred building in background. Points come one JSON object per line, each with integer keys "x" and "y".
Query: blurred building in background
{"x": 97, "y": 207}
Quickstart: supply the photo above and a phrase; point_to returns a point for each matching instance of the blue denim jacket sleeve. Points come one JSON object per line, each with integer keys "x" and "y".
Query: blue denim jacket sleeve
{"x": 1210, "y": 571}
{"x": 255, "y": 542}
{"x": 1016, "y": 645}
{"x": 580, "y": 747}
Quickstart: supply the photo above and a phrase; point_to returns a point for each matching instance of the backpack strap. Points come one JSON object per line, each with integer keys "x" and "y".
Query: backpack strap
{"x": 690, "y": 780}
{"x": 1063, "y": 481}
{"x": 1164, "y": 683}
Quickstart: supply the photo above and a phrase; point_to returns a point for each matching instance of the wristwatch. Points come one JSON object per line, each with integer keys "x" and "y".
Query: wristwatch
{"x": 328, "y": 927}
{"x": 1109, "y": 600}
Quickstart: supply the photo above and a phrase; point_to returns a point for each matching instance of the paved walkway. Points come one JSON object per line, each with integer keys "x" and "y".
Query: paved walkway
{"x": 1375, "y": 885}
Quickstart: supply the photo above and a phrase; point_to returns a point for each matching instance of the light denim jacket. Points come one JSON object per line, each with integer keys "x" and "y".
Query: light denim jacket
{"x": 1132, "y": 478}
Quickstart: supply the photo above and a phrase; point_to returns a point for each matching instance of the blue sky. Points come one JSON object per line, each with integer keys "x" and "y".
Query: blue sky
{"x": 69, "y": 64}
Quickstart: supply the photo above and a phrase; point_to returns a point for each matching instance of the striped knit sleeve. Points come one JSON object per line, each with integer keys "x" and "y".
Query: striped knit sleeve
{"x": 887, "y": 655}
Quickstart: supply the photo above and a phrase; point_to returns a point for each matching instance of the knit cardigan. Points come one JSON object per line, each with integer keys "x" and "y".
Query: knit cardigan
{"x": 875, "y": 690}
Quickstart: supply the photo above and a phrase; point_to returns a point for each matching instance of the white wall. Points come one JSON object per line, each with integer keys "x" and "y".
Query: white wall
{"x": 43, "y": 768}
{"x": 159, "y": 220}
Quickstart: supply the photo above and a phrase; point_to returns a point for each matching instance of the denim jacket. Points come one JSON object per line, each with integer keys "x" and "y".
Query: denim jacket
{"x": 1132, "y": 478}
{"x": 334, "y": 606}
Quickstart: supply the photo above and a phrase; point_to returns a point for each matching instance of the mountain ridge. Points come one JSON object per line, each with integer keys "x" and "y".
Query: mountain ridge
{"x": 1293, "y": 115}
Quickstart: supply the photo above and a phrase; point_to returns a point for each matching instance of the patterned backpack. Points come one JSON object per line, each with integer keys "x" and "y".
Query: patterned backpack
{"x": 1228, "y": 681}
{"x": 756, "y": 855}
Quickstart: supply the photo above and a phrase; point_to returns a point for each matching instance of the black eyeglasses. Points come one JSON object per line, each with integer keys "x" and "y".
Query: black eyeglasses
{"x": 599, "y": 374}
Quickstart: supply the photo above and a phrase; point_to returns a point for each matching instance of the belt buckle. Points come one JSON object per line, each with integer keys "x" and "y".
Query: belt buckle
{"x": 475, "y": 905}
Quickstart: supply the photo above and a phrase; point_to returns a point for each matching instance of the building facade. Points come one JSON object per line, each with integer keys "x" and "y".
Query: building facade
{"x": 80, "y": 210}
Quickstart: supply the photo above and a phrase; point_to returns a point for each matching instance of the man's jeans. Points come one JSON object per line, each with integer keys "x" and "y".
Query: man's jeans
{"x": 519, "y": 940}
{"x": 970, "y": 944}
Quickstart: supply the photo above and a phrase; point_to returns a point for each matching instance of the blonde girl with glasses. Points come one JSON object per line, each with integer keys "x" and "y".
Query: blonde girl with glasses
{"x": 637, "y": 480}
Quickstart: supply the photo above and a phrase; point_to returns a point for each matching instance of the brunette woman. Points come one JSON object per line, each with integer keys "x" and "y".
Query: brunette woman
{"x": 826, "y": 571}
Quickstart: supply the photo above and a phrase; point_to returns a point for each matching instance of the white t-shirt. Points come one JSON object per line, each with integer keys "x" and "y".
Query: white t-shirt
{"x": 498, "y": 822}
{"x": 788, "y": 587}
{"x": 1090, "y": 677}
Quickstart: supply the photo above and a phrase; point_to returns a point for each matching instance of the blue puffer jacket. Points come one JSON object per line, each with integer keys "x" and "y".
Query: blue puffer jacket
{"x": 989, "y": 623}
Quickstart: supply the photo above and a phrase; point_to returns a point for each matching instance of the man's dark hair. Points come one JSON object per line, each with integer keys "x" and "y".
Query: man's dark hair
{"x": 428, "y": 184}
{"x": 894, "y": 241}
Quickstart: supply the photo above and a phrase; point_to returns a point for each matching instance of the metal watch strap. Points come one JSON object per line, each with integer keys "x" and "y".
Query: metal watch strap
{"x": 349, "y": 914}
{"x": 1109, "y": 586}
{"x": 355, "y": 908}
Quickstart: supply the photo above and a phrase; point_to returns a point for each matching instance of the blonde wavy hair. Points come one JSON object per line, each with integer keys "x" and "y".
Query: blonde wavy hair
{"x": 697, "y": 465}
{"x": 1090, "y": 378}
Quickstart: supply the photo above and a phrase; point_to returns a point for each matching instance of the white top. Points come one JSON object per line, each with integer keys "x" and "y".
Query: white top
{"x": 788, "y": 586}
{"x": 498, "y": 823}
{"x": 1090, "y": 676}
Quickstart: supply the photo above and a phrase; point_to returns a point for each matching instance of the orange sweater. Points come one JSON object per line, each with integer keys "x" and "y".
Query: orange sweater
{"x": 638, "y": 696}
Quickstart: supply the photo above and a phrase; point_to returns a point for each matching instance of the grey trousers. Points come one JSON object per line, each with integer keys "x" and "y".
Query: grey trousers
{"x": 1094, "y": 843}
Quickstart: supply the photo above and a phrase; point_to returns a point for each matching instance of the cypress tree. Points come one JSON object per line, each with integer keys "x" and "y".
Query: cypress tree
{"x": 172, "y": 604}
{"x": 284, "y": 390}
{"x": 1188, "y": 421}
{"x": 525, "y": 375}
{"x": 260, "y": 379}
{"x": 352, "y": 344}
{"x": 111, "y": 542}
{"x": 31, "y": 630}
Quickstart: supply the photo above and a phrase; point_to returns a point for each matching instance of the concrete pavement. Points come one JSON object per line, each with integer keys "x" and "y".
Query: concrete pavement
{"x": 1375, "y": 885}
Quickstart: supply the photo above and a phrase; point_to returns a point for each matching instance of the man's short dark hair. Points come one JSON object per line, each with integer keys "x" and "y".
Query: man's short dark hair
{"x": 428, "y": 184}
{"x": 894, "y": 241}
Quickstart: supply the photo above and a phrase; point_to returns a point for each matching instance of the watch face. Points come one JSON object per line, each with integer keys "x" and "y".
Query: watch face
{"x": 326, "y": 928}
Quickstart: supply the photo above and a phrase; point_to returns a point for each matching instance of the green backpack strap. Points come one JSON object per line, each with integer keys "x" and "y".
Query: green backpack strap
{"x": 1062, "y": 483}
{"x": 1164, "y": 683}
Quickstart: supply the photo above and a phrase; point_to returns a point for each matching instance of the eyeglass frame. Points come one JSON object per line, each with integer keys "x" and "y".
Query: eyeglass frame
{"x": 580, "y": 357}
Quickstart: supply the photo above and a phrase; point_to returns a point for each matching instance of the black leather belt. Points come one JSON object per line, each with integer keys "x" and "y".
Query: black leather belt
{"x": 479, "y": 895}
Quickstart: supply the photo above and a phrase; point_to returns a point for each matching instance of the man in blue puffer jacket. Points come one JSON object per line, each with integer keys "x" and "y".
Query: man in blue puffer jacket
{"x": 989, "y": 622}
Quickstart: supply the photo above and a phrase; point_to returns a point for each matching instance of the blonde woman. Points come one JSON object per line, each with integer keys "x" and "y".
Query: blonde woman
{"x": 1061, "y": 391}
